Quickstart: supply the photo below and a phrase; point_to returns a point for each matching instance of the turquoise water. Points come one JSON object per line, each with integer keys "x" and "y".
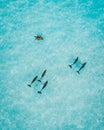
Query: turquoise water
{"x": 70, "y": 29}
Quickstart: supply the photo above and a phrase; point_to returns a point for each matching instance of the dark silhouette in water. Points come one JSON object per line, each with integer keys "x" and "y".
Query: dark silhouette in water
{"x": 44, "y": 85}
{"x": 83, "y": 65}
{"x": 43, "y": 74}
{"x": 38, "y": 37}
{"x": 35, "y": 78}
{"x": 73, "y": 62}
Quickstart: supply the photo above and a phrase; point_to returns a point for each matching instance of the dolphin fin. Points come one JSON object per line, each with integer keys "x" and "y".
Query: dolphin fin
{"x": 39, "y": 80}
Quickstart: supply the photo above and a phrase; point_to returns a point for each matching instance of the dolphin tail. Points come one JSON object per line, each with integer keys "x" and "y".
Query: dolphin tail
{"x": 39, "y": 80}
{"x": 70, "y": 66}
{"x": 39, "y": 92}
{"x": 78, "y": 72}
{"x": 29, "y": 85}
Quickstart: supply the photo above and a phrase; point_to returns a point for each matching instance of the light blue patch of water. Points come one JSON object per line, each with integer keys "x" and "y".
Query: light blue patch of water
{"x": 70, "y": 29}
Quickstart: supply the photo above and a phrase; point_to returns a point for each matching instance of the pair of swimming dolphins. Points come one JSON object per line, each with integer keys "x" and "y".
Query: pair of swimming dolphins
{"x": 39, "y": 80}
{"x": 82, "y": 66}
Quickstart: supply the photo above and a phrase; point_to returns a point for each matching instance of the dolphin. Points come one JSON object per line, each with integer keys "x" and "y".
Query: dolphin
{"x": 44, "y": 85}
{"x": 83, "y": 65}
{"x": 43, "y": 74}
{"x": 73, "y": 62}
{"x": 34, "y": 79}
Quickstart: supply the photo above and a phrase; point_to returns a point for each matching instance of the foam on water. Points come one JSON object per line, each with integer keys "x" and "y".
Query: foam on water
{"x": 70, "y": 29}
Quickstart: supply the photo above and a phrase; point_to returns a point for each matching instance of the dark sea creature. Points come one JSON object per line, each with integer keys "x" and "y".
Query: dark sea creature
{"x": 38, "y": 37}
{"x": 43, "y": 74}
{"x": 34, "y": 79}
{"x": 83, "y": 65}
{"x": 44, "y": 85}
{"x": 73, "y": 62}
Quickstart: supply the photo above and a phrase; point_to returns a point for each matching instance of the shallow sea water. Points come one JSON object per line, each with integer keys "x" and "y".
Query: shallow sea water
{"x": 70, "y": 29}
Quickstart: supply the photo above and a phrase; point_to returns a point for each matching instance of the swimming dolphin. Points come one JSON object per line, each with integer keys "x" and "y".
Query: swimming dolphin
{"x": 73, "y": 62}
{"x": 43, "y": 74}
{"x": 83, "y": 65}
{"x": 34, "y": 79}
{"x": 44, "y": 85}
